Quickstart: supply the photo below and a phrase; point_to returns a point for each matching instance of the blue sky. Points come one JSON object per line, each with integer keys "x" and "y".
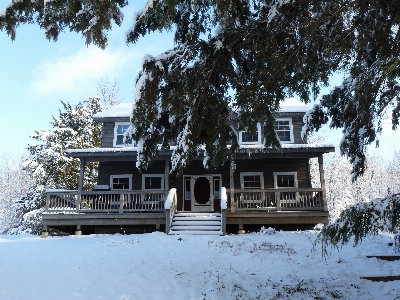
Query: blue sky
{"x": 36, "y": 74}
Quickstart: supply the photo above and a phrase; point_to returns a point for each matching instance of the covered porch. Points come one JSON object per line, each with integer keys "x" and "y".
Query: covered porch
{"x": 138, "y": 207}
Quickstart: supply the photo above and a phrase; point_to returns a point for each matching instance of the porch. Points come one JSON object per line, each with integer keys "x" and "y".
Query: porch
{"x": 138, "y": 208}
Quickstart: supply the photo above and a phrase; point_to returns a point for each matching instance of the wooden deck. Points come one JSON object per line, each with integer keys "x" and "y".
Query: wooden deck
{"x": 104, "y": 219}
{"x": 138, "y": 208}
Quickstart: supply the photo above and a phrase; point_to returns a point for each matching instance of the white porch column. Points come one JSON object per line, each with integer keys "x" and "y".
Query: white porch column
{"x": 80, "y": 185}
{"x": 232, "y": 185}
{"x": 166, "y": 174}
{"x": 322, "y": 179}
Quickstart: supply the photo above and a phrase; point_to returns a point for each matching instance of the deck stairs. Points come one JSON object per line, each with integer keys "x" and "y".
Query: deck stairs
{"x": 199, "y": 223}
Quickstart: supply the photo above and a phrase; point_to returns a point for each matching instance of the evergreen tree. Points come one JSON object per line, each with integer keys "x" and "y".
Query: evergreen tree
{"x": 235, "y": 61}
{"x": 48, "y": 165}
{"x": 362, "y": 219}
{"x": 14, "y": 183}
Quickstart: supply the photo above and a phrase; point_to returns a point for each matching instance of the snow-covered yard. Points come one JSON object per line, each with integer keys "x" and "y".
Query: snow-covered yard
{"x": 265, "y": 265}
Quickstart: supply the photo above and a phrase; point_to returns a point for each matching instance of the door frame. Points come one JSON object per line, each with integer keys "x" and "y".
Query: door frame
{"x": 192, "y": 178}
{"x": 209, "y": 206}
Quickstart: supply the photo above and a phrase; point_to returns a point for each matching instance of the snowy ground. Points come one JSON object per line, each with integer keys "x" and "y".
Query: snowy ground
{"x": 264, "y": 265}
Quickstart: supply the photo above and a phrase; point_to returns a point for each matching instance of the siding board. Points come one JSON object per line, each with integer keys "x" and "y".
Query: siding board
{"x": 108, "y": 135}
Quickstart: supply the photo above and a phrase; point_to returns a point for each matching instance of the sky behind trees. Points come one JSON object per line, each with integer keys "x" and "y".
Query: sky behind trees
{"x": 36, "y": 74}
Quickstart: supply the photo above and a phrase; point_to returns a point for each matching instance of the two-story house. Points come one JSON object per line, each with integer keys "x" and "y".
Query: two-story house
{"x": 260, "y": 187}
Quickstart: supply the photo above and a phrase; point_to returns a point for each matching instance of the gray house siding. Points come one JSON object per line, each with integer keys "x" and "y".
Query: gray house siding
{"x": 107, "y": 135}
{"x": 106, "y": 169}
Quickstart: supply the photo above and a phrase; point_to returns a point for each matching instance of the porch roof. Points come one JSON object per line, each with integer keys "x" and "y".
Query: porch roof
{"x": 307, "y": 150}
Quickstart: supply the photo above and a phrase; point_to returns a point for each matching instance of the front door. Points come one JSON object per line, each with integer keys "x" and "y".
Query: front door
{"x": 201, "y": 193}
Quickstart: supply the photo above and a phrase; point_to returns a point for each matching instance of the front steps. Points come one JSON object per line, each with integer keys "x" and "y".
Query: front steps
{"x": 205, "y": 223}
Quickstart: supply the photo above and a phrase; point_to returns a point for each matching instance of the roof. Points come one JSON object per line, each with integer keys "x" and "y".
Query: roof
{"x": 124, "y": 110}
{"x": 293, "y": 105}
{"x": 132, "y": 151}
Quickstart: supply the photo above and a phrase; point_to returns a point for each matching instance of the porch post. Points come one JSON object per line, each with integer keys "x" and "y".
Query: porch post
{"x": 166, "y": 174}
{"x": 80, "y": 185}
{"x": 232, "y": 185}
{"x": 322, "y": 179}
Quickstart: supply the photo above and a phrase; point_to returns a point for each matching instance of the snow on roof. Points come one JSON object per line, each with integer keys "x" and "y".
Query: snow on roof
{"x": 117, "y": 151}
{"x": 122, "y": 110}
{"x": 102, "y": 150}
{"x": 293, "y": 105}
{"x": 289, "y": 146}
{"x": 108, "y": 150}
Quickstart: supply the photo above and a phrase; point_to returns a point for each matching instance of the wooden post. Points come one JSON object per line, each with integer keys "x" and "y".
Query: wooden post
{"x": 80, "y": 186}
{"x": 166, "y": 174}
{"x": 45, "y": 232}
{"x": 167, "y": 220}
{"x": 121, "y": 203}
{"x": 232, "y": 185}
{"x": 223, "y": 220}
{"x": 78, "y": 230}
{"x": 278, "y": 201}
{"x": 47, "y": 202}
{"x": 322, "y": 179}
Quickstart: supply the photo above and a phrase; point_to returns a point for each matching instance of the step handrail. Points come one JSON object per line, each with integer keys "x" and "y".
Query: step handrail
{"x": 224, "y": 204}
{"x": 170, "y": 208}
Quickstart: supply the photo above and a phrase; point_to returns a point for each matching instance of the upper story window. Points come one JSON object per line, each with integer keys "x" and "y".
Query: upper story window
{"x": 119, "y": 130}
{"x": 121, "y": 182}
{"x": 251, "y": 180}
{"x": 284, "y": 129}
{"x": 152, "y": 182}
{"x": 247, "y": 138}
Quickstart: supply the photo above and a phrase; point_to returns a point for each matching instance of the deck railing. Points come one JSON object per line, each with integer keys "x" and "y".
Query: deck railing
{"x": 104, "y": 201}
{"x": 276, "y": 199}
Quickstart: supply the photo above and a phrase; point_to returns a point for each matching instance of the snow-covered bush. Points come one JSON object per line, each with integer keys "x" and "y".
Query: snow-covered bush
{"x": 361, "y": 219}
{"x": 14, "y": 182}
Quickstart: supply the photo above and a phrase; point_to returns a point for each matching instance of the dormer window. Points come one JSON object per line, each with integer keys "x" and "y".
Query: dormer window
{"x": 119, "y": 138}
{"x": 284, "y": 129}
{"x": 248, "y": 138}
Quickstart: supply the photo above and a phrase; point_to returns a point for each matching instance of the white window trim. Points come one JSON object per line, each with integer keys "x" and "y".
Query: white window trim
{"x": 242, "y": 174}
{"x": 291, "y": 130}
{"x": 115, "y": 134}
{"x": 121, "y": 176}
{"x": 144, "y": 176}
{"x": 285, "y": 173}
{"x": 251, "y": 143}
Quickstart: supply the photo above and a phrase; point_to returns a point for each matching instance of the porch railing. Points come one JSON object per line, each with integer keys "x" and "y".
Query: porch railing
{"x": 276, "y": 199}
{"x": 104, "y": 201}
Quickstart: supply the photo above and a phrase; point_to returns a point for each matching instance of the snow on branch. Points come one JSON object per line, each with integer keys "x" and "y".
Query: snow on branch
{"x": 362, "y": 219}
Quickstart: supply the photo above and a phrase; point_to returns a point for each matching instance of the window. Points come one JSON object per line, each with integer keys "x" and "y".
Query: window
{"x": 285, "y": 180}
{"x": 252, "y": 180}
{"x": 247, "y": 138}
{"x": 284, "y": 130}
{"x": 187, "y": 188}
{"x": 121, "y": 182}
{"x": 217, "y": 188}
{"x": 152, "y": 182}
{"x": 119, "y": 130}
